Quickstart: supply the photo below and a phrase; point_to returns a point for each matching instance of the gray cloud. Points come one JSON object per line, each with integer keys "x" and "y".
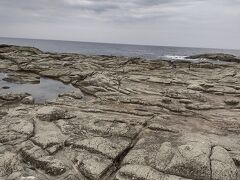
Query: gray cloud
{"x": 106, "y": 9}
{"x": 214, "y": 23}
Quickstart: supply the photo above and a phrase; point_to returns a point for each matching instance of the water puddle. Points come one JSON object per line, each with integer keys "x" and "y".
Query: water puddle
{"x": 47, "y": 89}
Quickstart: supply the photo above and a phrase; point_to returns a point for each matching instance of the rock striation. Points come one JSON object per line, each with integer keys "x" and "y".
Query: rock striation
{"x": 131, "y": 119}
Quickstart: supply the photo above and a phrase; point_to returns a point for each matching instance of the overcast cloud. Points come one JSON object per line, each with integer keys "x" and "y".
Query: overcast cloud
{"x": 198, "y": 23}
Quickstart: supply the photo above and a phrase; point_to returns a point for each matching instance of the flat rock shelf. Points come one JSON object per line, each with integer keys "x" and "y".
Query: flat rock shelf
{"x": 122, "y": 118}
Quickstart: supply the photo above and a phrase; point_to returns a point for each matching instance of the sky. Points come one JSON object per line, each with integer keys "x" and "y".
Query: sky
{"x": 191, "y": 23}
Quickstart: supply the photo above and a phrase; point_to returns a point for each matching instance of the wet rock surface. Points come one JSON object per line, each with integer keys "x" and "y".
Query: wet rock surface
{"x": 128, "y": 119}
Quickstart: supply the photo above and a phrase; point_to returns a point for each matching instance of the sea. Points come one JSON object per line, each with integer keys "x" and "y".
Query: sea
{"x": 92, "y": 48}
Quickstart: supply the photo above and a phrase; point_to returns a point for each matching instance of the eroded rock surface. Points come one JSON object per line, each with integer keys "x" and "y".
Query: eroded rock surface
{"x": 218, "y": 57}
{"x": 130, "y": 119}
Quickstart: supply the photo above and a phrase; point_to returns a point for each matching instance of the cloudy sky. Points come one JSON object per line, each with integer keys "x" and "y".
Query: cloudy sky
{"x": 194, "y": 23}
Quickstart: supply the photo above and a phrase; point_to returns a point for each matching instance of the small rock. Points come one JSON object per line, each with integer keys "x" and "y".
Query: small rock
{"x": 195, "y": 87}
{"x": 206, "y": 85}
{"x": 23, "y": 126}
{"x": 48, "y": 136}
{"x": 236, "y": 157}
{"x": 167, "y": 100}
{"x": 103, "y": 146}
{"x": 28, "y": 178}
{"x": 136, "y": 172}
{"x": 13, "y": 96}
{"x": 219, "y": 93}
{"x": 50, "y": 113}
{"x": 54, "y": 167}
{"x": 9, "y": 163}
{"x": 159, "y": 127}
{"x": 199, "y": 106}
{"x": 15, "y": 175}
{"x": 93, "y": 166}
{"x": 54, "y": 73}
{"x": 185, "y": 101}
{"x": 38, "y": 158}
{"x": 223, "y": 167}
{"x": 22, "y": 78}
{"x": 28, "y": 100}
{"x": 74, "y": 94}
{"x": 191, "y": 160}
{"x": 231, "y": 102}
{"x": 65, "y": 79}
{"x": 5, "y": 87}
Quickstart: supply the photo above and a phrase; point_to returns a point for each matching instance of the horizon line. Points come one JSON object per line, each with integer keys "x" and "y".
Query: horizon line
{"x": 130, "y": 44}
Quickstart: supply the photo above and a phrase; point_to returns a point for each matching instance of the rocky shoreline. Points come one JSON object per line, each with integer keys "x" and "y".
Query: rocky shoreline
{"x": 129, "y": 119}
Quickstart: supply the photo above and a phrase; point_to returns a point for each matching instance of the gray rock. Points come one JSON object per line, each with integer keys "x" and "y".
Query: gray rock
{"x": 48, "y": 136}
{"x": 28, "y": 100}
{"x": 53, "y": 166}
{"x": 54, "y": 73}
{"x": 74, "y": 94}
{"x": 22, "y": 78}
{"x": 232, "y": 102}
{"x": 236, "y": 157}
{"x": 217, "y": 56}
{"x": 93, "y": 166}
{"x": 195, "y": 87}
{"x": 5, "y": 87}
{"x": 103, "y": 146}
{"x": 223, "y": 167}
{"x": 13, "y": 96}
{"x": 49, "y": 113}
{"x": 192, "y": 161}
{"x": 38, "y": 158}
{"x": 9, "y": 163}
{"x": 144, "y": 173}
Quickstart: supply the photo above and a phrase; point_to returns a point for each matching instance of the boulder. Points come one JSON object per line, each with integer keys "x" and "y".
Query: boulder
{"x": 50, "y": 113}
{"x": 223, "y": 167}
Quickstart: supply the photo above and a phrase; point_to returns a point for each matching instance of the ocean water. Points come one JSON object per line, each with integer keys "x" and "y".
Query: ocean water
{"x": 89, "y": 48}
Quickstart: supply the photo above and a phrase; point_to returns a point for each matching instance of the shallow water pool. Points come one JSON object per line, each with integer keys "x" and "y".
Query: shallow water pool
{"x": 47, "y": 89}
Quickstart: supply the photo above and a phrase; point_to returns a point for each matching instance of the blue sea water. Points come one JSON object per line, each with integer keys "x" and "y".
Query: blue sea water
{"x": 90, "y": 48}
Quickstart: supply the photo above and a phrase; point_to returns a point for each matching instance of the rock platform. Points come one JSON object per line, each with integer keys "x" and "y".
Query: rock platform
{"x": 132, "y": 119}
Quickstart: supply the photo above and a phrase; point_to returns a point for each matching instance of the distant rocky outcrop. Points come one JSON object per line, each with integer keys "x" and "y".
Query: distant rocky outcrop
{"x": 216, "y": 56}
